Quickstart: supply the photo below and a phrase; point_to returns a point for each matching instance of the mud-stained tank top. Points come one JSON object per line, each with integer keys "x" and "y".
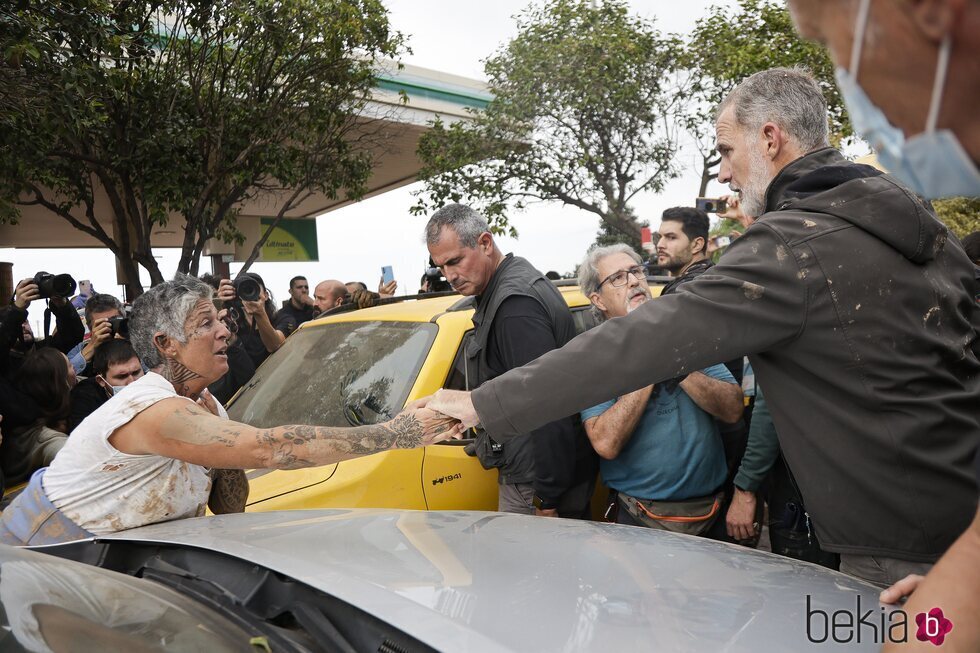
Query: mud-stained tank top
{"x": 104, "y": 490}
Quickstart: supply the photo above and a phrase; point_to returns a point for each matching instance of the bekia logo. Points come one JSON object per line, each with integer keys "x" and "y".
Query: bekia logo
{"x": 933, "y": 626}
{"x": 879, "y": 625}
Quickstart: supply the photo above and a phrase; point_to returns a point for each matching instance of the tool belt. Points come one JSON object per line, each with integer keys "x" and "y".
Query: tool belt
{"x": 690, "y": 516}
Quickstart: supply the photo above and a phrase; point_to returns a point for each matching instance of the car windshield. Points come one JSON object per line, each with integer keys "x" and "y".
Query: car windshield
{"x": 340, "y": 374}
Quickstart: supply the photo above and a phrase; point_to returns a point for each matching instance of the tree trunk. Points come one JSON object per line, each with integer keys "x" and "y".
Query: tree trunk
{"x": 187, "y": 247}
{"x": 707, "y": 163}
{"x": 287, "y": 205}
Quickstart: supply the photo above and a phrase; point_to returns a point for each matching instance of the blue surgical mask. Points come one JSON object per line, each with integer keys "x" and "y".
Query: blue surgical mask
{"x": 116, "y": 389}
{"x": 932, "y": 164}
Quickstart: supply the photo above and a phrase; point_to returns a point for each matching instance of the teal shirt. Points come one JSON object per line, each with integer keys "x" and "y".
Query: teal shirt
{"x": 675, "y": 453}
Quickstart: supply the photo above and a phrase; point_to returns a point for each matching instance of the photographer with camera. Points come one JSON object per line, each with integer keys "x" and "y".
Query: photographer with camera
{"x": 252, "y": 310}
{"x": 16, "y": 336}
{"x": 433, "y": 280}
{"x": 106, "y": 320}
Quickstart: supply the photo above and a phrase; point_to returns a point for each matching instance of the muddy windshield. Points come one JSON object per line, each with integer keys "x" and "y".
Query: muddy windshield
{"x": 343, "y": 374}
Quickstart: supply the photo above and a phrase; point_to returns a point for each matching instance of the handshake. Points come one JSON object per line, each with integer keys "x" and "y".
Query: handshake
{"x": 443, "y": 416}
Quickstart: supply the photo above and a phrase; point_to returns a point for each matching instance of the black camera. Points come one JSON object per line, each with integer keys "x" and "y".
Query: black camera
{"x": 247, "y": 288}
{"x": 711, "y": 205}
{"x": 119, "y": 326}
{"x": 433, "y": 279}
{"x": 55, "y": 285}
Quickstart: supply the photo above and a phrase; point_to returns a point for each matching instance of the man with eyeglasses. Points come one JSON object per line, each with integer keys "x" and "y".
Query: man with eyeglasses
{"x": 659, "y": 446}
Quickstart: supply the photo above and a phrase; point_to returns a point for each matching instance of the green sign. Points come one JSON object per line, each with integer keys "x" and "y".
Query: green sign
{"x": 291, "y": 240}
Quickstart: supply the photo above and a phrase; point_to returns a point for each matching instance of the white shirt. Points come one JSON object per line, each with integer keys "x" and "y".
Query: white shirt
{"x": 104, "y": 490}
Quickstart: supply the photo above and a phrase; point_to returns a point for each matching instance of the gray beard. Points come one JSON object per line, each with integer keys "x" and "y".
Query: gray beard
{"x": 753, "y": 194}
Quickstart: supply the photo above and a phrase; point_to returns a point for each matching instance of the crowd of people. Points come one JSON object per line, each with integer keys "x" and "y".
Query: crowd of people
{"x": 846, "y": 311}
{"x": 49, "y": 385}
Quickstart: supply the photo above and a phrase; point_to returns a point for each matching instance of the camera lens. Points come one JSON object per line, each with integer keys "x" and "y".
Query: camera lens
{"x": 63, "y": 285}
{"x": 51, "y": 285}
{"x": 247, "y": 289}
{"x": 119, "y": 325}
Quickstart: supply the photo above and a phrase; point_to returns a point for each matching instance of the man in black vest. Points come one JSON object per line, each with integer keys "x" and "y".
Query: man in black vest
{"x": 298, "y": 309}
{"x": 520, "y": 315}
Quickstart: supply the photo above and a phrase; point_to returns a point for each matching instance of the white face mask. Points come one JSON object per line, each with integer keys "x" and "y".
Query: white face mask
{"x": 932, "y": 164}
{"x": 115, "y": 389}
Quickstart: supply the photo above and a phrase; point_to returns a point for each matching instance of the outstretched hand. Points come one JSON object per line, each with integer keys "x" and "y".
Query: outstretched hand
{"x": 434, "y": 426}
{"x": 734, "y": 210}
{"x": 456, "y": 404}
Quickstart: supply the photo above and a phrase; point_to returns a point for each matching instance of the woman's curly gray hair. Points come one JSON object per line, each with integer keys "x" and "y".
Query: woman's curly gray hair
{"x": 164, "y": 308}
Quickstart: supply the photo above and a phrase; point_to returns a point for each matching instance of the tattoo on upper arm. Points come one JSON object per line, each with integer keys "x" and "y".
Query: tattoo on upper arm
{"x": 229, "y": 491}
{"x": 194, "y": 425}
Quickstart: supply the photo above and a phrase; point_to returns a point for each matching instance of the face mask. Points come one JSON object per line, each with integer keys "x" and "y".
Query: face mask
{"x": 932, "y": 164}
{"x": 115, "y": 389}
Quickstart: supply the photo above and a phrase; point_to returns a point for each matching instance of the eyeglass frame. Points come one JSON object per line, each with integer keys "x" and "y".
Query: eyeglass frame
{"x": 640, "y": 276}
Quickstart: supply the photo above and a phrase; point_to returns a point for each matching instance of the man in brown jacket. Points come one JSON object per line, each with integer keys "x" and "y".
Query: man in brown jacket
{"x": 855, "y": 309}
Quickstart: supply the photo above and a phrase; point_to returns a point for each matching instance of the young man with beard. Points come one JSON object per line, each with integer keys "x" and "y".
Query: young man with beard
{"x": 856, "y": 310}
{"x": 683, "y": 246}
{"x": 659, "y": 446}
{"x": 682, "y": 250}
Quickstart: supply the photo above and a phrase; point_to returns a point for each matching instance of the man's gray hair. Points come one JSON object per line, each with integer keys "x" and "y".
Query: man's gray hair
{"x": 588, "y": 272}
{"x": 164, "y": 308}
{"x": 467, "y": 223}
{"x": 789, "y": 97}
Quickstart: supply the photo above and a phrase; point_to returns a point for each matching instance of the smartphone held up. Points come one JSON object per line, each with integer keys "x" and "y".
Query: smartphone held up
{"x": 711, "y": 204}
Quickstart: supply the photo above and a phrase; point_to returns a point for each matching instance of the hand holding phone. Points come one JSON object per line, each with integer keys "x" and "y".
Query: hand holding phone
{"x": 388, "y": 285}
{"x": 711, "y": 205}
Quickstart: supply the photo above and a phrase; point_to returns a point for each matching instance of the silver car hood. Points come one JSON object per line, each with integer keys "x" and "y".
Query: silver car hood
{"x": 482, "y": 581}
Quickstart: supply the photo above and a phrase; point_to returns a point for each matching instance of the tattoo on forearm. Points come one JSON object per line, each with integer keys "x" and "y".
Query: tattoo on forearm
{"x": 229, "y": 491}
{"x": 304, "y": 446}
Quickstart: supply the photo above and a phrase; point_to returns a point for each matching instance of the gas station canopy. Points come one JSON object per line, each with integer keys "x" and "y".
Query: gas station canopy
{"x": 429, "y": 94}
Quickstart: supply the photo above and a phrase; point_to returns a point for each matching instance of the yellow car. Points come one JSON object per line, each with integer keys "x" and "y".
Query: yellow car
{"x": 362, "y": 367}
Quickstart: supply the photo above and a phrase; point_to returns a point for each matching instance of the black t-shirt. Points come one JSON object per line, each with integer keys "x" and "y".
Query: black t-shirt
{"x": 86, "y": 397}
{"x": 563, "y": 457}
{"x": 288, "y": 318}
{"x": 251, "y": 341}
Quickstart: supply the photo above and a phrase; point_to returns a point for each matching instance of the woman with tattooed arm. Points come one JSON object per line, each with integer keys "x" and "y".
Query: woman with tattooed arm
{"x": 163, "y": 448}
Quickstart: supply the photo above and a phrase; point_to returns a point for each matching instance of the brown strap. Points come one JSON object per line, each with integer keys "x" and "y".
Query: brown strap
{"x": 714, "y": 508}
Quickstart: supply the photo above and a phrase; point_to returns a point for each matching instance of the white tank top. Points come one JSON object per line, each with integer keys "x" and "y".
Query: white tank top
{"x": 104, "y": 490}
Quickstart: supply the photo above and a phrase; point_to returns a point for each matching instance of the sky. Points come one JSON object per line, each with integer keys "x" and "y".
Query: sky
{"x": 356, "y": 241}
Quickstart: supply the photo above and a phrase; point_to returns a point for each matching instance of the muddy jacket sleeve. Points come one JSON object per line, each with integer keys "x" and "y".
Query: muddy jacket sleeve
{"x": 750, "y": 301}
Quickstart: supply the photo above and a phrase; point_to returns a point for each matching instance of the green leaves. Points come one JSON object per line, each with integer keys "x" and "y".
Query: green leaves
{"x": 583, "y": 113}
{"x": 186, "y": 106}
{"x": 729, "y": 44}
{"x": 588, "y": 102}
